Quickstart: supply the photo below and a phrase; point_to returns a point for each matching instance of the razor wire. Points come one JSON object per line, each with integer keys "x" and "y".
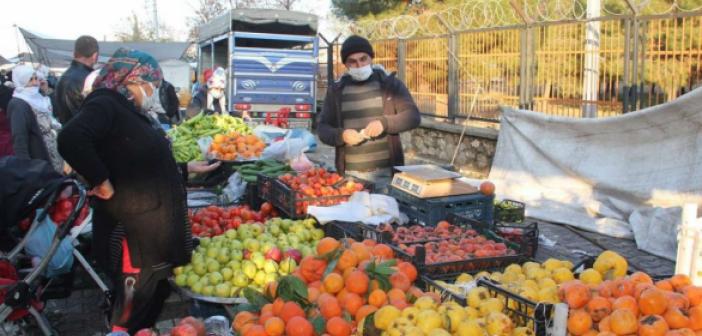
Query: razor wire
{"x": 476, "y": 14}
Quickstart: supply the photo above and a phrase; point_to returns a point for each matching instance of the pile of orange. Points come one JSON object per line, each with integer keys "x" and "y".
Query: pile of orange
{"x": 232, "y": 146}
{"x": 343, "y": 298}
{"x": 634, "y": 305}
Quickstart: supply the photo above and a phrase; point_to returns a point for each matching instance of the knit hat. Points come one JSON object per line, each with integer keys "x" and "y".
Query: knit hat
{"x": 354, "y": 44}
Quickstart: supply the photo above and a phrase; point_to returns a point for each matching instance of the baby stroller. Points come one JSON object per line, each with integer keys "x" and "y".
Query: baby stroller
{"x": 27, "y": 187}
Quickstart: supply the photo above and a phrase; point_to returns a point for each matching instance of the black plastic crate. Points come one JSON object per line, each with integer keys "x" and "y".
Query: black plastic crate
{"x": 522, "y": 311}
{"x": 339, "y": 230}
{"x": 526, "y": 235}
{"x": 289, "y": 201}
{"x": 252, "y": 197}
{"x": 429, "y": 211}
{"x": 509, "y": 211}
{"x": 264, "y": 185}
{"x": 472, "y": 264}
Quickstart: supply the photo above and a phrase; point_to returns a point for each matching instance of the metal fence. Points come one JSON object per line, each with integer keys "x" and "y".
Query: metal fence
{"x": 634, "y": 62}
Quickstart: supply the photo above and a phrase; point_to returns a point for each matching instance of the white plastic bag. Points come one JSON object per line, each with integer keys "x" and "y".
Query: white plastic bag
{"x": 204, "y": 144}
{"x": 284, "y": 150}
{"x": 236, "y": 187}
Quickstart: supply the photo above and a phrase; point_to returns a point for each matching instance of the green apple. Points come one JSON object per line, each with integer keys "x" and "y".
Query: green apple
{"x": 293, "y": 239}
{"x": 218, "y": 240}
{"x": 258, "y": 259}
{"x": 200, "y": 268}
{"x": 285, "y": 224}
{"x": 178, "y": 270}
{"x": 223, "y": 256}
{"x": 207, "y": 290}
{"x": 205, "y": 241}
{"x": 192, "y": 279}
{"x": 215, "y": 278}
{"x": 240, "y": 279}
{"x": 227, "y": 273}
{"x": 197, "y": 258}
{"x": 230, "y": 234}
{"x": 306, "y": 250}
{"x": 181, "y": 280}
{"x": 197, "y": 287}
{"x": 188, "y": 269}
{"x": 244, "y": 232}
{"x": 223, "y": 289}
{"x": 305, "y": 235}
{"x": 234, "y": 291}
{"x": 249, "y": 268}
{"x": 257, "y": 229}
{"x": 234, "y": 264}
{"x": 310, "y": 223}
{"x": 260, "y": 278}
{"x": 212, "y": 251}
{"x": 213, "y": 266}
{"x": 236, "y": 255}
{"x": 252, "y": 245}
{"x": 274, "y": 229}
{"x": 297, "y": 227}
{"x": 270, "y": 277}
{"x": 317, "y": 234}
{"x": 236, "y": 245}
{"x": 287, "y": 266}
{"x": 270, "y": 266}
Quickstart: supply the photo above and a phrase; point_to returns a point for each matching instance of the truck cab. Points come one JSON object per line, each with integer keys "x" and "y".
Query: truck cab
{"x": 271, "y": 60}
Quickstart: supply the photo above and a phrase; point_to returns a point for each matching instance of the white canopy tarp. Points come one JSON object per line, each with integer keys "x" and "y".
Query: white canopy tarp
{"x": 624, "y": 176}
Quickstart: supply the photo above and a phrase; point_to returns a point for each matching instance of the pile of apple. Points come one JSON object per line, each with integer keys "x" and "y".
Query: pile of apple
{"x": 418, "y": 233}
{"x": 213, "y": 220}
{"x": 250, "y": 256}
{"x": 318, "y": 182}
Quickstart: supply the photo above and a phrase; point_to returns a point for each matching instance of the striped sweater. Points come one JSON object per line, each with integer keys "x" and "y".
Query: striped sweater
{"x": 361, "y": 103}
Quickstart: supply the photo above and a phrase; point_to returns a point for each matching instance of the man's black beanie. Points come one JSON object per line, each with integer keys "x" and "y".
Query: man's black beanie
{"x": 354, "y": 44}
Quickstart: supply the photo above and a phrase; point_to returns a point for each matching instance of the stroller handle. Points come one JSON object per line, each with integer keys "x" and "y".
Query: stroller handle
{"x": 63, "y": 230}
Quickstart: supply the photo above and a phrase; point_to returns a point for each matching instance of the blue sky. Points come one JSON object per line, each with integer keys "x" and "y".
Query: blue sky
{"x": 68, "y": 19}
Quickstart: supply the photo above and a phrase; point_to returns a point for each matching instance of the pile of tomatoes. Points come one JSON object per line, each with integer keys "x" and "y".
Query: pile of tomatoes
{"x": 213, "y": 221}
{"x": 318, "y": 183}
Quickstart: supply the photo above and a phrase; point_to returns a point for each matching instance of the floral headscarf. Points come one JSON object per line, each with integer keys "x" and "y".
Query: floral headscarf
{"x": 129, "y": 67}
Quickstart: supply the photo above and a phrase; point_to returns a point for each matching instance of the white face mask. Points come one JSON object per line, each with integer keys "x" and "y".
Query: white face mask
{"x": 31, "y": 90}
{"x": 360, "y": 74}
{"x": 216, "y": 93}
{"x": 151, "y": 103}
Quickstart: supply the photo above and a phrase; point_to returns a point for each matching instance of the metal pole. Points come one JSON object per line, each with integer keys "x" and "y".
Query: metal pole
{"x": 591, "y": 72}
{"x": 453, "y": 90}
{"x": 401, "y": 59}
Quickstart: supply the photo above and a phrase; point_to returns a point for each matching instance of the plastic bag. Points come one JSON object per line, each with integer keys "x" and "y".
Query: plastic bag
{"x": 308, "y": 139}
{"x": 236, "y": 187}
{"x": 38, "y": 246}
{"x": 269, "y": 133}
{"x": 301, "y": 163}
{"x": 204, "y": 144}
{"x": 284, "y": 150}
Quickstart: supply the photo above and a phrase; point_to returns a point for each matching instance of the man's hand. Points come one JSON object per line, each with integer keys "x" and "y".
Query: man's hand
{"x": 374, "y": 129}
{"x": 202, "y": 166}
{"x": 352, "y": 137}
{"x": 103, "y": 191}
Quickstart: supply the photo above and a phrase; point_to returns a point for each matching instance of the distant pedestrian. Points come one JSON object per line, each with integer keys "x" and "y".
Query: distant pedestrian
{"x": 68, "y": 94}
{"x": 169, "y": 101}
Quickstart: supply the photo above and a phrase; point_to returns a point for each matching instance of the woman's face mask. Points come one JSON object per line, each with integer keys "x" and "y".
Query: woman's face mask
{"x": 216, "y": 93}
{"x": 151, "y": 103}
{"x": 361, "y": 73}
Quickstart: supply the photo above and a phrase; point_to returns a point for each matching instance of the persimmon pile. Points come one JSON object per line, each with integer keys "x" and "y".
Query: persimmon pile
{"x": 339, "y": 287}
{"x": 605, "y": 302}
{"x": 232, "y": 146}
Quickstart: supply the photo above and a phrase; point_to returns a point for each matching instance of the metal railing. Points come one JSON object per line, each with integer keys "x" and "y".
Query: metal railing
{"x": 635, "y": 62}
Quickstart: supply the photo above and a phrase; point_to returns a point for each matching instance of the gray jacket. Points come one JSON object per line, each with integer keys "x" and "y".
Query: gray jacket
{"x": 27, "y": 140}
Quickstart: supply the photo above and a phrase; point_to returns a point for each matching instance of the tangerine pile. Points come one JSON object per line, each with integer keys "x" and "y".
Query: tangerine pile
{"x": 634, "y": 304}
{"x": 343, "y": 297}
{"x": 232, "y": 146}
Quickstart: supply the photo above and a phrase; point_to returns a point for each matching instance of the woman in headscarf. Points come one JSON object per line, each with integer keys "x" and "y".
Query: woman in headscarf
{"x": 140, "y": 226}
{"x": 31, "y": 121}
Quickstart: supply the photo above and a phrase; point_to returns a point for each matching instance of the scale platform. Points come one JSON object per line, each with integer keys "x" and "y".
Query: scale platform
{"x": 425, "y": 181}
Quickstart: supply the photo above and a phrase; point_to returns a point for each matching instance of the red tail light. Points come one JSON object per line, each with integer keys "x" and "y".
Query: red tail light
{"x": 303, "y": 115}
{"x": 242, "y": 106}
{"x": 303, "y": 107}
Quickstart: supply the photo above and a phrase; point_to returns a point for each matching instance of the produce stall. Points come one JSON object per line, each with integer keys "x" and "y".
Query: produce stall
{"x": 461, "y": 262}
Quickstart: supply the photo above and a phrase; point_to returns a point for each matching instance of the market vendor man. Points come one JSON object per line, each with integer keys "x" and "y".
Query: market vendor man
{"x": 363, "y": 115}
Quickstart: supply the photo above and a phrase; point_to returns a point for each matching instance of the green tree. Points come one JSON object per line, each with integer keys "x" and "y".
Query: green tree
{"x": 354, "y": 9}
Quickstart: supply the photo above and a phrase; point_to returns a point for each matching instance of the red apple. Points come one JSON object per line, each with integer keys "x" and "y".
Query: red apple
{"x": 274, "y": 254}
{"x": 198, "y": 324}
{"x": 293, "y": 253}
{"x": 184, "y": 330}
{"x": 146, "y": 332}
{"x": 247, "y": 254}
